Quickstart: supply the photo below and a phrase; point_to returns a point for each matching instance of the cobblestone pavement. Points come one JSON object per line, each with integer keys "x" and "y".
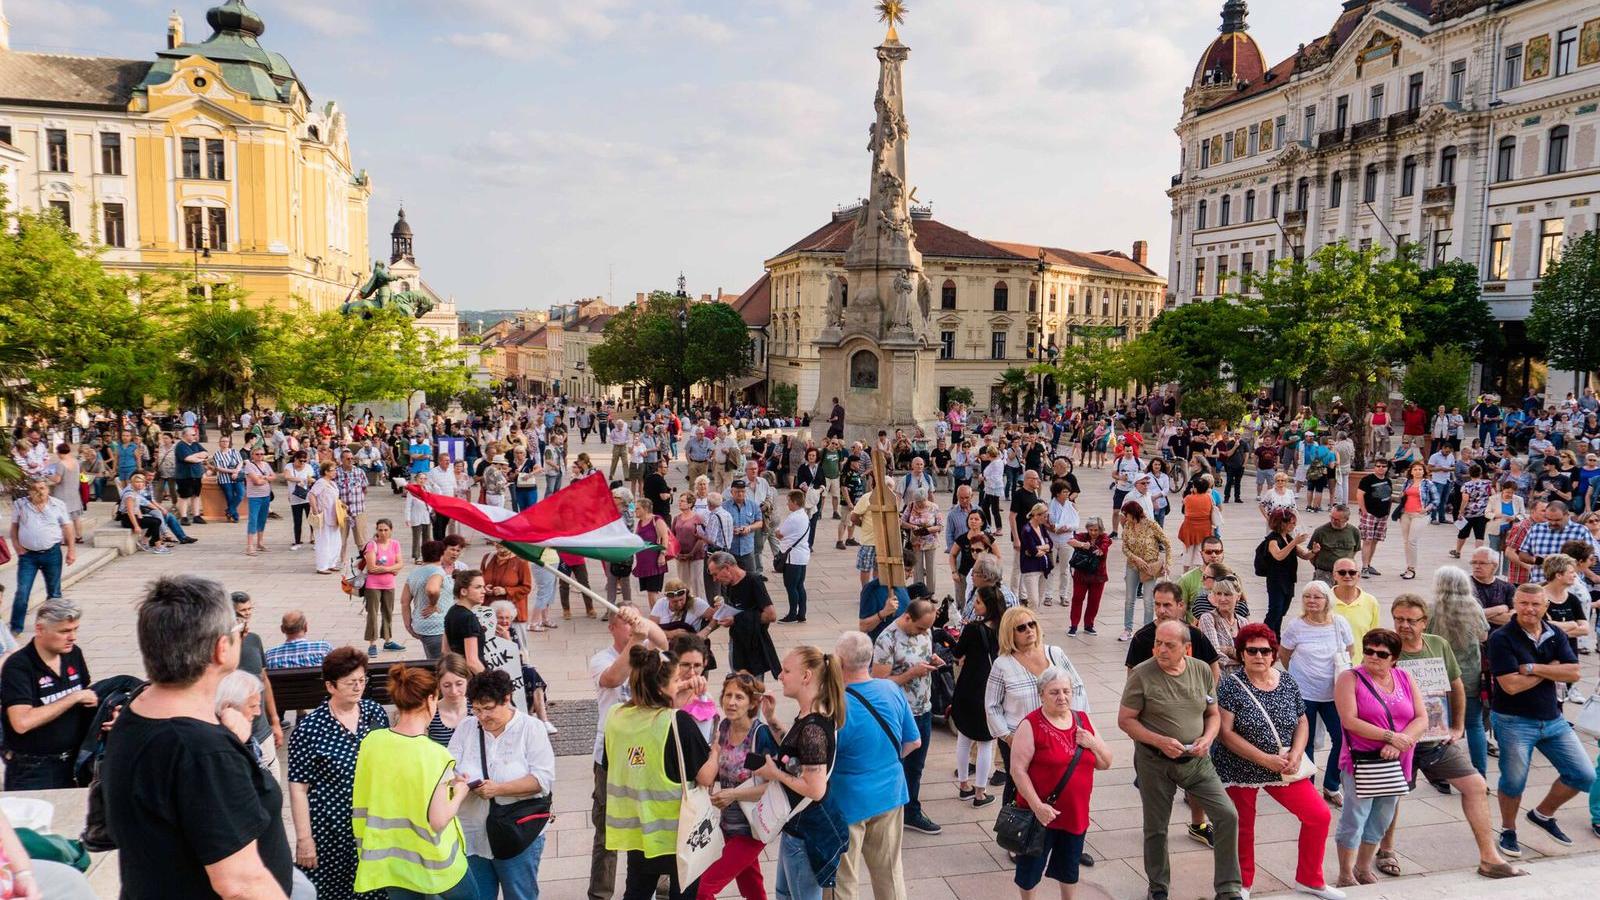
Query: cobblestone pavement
{"x": 963, "y": 861}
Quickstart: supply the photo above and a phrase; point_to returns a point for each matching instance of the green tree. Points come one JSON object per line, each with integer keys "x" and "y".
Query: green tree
{"x": 222, "y": 352}
{"x": 647, "y": 344}
{"x": 476, "y": 401}
{"x": 1439, "y": 379}
{"x": 65, "y": 322}
{"x": 1092, "y": 361}
{"x": 349, "y": 359}
{"x": 1566, "y": 306}
{"x": 1215, "y": 403}
{"x": 1456, "y": 316}
{"x": 1197, "y": 345}
{"x": 961, "y": 395}
{"x": 1014, "y": 386}
{"x": 785, "y": 398}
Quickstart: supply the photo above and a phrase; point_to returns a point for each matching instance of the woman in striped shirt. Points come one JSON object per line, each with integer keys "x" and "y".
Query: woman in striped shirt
{"x": 226, "y": 464}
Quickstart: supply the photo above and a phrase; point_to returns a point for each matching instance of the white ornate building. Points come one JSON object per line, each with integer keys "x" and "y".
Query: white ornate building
{"x": 1468, "y": 127}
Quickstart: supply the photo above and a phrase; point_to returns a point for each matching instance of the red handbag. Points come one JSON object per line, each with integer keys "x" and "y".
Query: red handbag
{"x": 5, "y": 552}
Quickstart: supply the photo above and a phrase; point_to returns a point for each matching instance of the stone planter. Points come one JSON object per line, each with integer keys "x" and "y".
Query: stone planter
{"x": 213, "y": 505}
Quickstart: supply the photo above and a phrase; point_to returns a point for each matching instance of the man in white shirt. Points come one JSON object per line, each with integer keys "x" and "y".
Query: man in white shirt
{"x": 41, "y": 528}
{"x": 1442, "y": 468}
{"x": 618, "y": 438}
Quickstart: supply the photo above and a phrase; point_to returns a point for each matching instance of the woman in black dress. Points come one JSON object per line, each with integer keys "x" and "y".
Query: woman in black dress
{"x": 980, "y": 641}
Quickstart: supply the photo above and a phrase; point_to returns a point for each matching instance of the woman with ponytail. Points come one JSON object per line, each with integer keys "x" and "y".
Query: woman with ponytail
{"x": 642, "y": 740}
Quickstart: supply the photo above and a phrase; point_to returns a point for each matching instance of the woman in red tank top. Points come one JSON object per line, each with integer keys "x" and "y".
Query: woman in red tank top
{"x": 1043, "y": 749}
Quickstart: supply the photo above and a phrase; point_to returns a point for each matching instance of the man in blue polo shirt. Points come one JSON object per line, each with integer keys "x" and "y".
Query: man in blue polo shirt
{"x": 421, "y": 453}
{"x": 879, "y": 605}
{"x": 868, "y": 794}
{"x": 1528, "y": 656}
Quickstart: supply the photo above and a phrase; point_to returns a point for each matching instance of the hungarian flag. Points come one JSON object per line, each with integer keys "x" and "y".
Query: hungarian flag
{"x": 580, "y": 519}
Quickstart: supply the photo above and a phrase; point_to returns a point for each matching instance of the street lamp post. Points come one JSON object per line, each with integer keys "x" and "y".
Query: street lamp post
{"x": 683, "y": 333}
{"x": 1039, "y": 270}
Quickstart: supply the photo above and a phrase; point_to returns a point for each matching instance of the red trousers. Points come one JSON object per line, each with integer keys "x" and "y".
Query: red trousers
{"x": 1301, "y": 798}
{"x": 1084, "y": 592}
{"x": 740, "y": 862}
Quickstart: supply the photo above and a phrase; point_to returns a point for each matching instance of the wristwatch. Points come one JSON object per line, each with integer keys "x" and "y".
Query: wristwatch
{"x": 1526, "y": 668}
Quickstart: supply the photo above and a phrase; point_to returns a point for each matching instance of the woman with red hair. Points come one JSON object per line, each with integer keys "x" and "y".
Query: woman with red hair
{"x": 1262, "y": 746}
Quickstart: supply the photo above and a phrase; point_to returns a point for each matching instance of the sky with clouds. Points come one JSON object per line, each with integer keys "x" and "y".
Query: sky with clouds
{"x": 547, "y": 149}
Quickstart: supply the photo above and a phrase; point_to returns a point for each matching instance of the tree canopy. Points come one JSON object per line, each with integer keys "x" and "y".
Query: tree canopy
{"x": 1566, "y": 306}
{"x": 646, "y": 344}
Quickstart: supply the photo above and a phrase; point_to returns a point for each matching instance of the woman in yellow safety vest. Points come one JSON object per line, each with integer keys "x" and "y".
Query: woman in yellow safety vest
{"x": 644, "y": 785}
{"x": 403, "y": 808}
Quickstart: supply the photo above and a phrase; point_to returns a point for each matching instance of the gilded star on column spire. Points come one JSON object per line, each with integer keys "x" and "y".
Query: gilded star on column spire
{"x": 894, "y": 13}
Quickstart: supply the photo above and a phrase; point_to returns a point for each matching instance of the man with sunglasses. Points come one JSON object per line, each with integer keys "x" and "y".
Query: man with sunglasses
{"x": 1443, "y": 760}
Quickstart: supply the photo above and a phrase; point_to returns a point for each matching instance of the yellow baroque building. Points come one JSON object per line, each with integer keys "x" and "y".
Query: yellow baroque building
{"x": 211, "y": 157}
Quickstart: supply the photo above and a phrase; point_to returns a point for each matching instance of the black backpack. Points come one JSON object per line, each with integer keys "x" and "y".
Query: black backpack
{"x": 1264, "y": 558}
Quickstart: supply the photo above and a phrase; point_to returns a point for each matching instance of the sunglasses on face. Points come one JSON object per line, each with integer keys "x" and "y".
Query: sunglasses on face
{"x": 1026, "y": 626}
{"x": 1258, "y": 651}
{"x": 1377, "y": 653}
{"x": 1349, "y": 572}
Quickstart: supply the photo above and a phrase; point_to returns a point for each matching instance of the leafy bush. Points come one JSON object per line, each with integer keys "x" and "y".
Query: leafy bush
{"x": 1213, "y": 405}
{"x": 1438, "y": 379}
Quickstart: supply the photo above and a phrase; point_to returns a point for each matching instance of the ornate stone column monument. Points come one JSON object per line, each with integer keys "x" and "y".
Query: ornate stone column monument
{"x": 875, "y": 349}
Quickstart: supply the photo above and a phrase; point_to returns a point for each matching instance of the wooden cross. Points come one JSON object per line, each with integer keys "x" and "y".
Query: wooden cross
{"x": 884, "y": 513}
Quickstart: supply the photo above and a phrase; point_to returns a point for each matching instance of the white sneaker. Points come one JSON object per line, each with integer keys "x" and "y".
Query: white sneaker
{"x": 1326, "y": 892}
{"x": 1573, "y": 696}
{"x": 296, "y": 546}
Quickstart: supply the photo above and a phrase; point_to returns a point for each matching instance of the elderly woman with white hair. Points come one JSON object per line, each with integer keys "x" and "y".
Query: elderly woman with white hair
{"x": 921, "y": 521}
{"x": 238, "y": 705}
{"x": 1459, "y": 619}
{"x": 1054, "y": 755}
{"x": 617, "y": 580}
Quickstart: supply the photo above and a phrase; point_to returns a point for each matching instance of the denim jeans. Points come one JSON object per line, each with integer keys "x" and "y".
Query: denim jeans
{"x": 28, "y": 772}
{"x": 1477, "y": 738}
{"x": 29, "y": 564}
{"x": 259, "y": 507}
{"x": 796, "y": 881}
{"x": 518, "y": 877}
{"x": 794, "y": 584}
{"x": 232, "y": 494}
{"x": 913, "y": 764}
{"x": 1329, "y": 714}
{"x": 1132, "y": 584}
{"x": 1519, "y": 736}
{"x": 1363, "y": 820}
{"x": 176, "y": 527}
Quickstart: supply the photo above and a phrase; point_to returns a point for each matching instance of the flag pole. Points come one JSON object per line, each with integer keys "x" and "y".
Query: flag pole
{"x": 582, "y": 588}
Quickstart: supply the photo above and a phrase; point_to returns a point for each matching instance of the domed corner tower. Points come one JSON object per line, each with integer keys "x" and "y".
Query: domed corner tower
{"x": 1232, "y": 60}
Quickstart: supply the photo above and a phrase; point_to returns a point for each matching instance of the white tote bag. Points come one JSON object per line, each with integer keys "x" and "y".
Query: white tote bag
{"x": 699, "y": 823}
{"x": 768, "y": 815}
{"x": 1588, "y": 720}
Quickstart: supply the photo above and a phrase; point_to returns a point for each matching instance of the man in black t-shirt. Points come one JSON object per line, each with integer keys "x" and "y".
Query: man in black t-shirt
{"x": 1168, "y": 598}
{"x": 749, "y": 640}
{"x": 1022, "y": 503}
{"x": 44, "y": 687}
{"x": 1377, "y": 498}
{"x": 186, "y": 803}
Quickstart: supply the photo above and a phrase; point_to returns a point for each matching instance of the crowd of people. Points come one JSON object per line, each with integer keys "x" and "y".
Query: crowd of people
{"x": 445, "y": 792}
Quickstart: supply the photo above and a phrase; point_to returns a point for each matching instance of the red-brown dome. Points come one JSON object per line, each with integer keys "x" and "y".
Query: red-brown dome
{"x": 1233, "y": 56}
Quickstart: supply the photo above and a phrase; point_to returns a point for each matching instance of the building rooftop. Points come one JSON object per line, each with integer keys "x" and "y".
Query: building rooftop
{"x": 754, "y": 306}
{"x": 78, "y": 82}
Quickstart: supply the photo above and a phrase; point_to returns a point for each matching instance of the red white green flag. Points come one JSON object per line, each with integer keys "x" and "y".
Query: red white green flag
{"x": 580, "y": 519}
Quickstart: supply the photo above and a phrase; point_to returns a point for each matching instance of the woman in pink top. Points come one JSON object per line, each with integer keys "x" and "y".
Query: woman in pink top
{"x": 650, "y": 566}
{"x": 1381, "y": 711}
{"x": 690, "y": 560}
{"x": 383, "y": 560}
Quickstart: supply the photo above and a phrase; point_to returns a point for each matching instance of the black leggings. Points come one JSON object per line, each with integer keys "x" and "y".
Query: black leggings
{"x": 990, "y": 507}
{"x": 299, "y": 510}
{"x": 644, "y": 874}
{"x": 150, "y": 523}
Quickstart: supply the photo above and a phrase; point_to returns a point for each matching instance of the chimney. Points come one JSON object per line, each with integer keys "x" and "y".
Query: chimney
{"x": 1141, "y": 252}
{"x": 639, "y": 297}
{"x": 174, "y": 30}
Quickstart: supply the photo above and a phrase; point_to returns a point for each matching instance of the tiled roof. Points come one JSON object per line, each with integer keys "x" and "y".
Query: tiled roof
{"x": 84, "y": 82}
{"x": 1102, "y": 260}
{"x": 592, "y": 324}
{"x": 526, "y": 337}
{"x": 755, "y": 304}
{"x": 934, "y": 238}
{"x": 1326, "y": 45}
{"x": 1234, "y": 55}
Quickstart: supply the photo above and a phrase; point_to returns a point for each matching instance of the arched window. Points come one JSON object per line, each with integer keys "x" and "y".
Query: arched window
{"x": 947, "y": 294}
{"x": 1033, "y": 297}
{"x": 1200, "y": 215}
{"x": 1369, "y": 184}
{"x": 1002, "y": 296}
{"x": 1277, "y": 199}
{"x": 1505, "y": 159}
{"x": 1302, "y": 194}
{"x": 1227, "y": 209}
{"x": 844, "y": 292}
{"x": 1249, "y": 206}
{"x": 1335, "y": 190}
{"x": 1556, "y": 154}
{"x": 864, "y": 370}
{"x": 1447, "y": 166}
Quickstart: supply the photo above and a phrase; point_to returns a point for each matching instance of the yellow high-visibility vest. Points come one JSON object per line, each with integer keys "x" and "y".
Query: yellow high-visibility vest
{"x": 395, "y": 779}
{"x": 641, "y": 804}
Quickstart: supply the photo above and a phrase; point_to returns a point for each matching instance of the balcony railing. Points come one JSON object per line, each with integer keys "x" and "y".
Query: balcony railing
{"x": 1403, "y": 118}
{"x": 1439, "y": 195}
{"x": 1294, "y": 218}
{"x": 1368, "y": 129}
{"x": 1330, "y": 138}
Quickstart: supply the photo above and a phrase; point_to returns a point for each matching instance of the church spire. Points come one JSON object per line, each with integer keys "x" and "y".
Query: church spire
{"x": 1233, "y": 16}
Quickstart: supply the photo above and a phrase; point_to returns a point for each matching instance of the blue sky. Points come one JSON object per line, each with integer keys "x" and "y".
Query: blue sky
{"x": 544, "y": 148}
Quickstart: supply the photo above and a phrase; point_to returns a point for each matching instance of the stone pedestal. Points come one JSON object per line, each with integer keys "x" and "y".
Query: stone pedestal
{"x": 904, "y": 395}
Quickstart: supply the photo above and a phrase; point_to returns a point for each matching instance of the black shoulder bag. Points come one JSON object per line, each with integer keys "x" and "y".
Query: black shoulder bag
{"x": 1017, "y": 829}
{"x": 511, "y": 827}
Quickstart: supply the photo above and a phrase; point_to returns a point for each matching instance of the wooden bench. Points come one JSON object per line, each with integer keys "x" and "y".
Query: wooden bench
{"x": 302, "y": 688}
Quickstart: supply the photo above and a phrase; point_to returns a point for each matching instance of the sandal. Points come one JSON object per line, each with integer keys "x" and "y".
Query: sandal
{"x": 1500, "y": 870}
{"x": 1387, "y": 864}
{"x": 1455, "y": 554}
{"x": 1049, "y": 602}
{"x": 1408, "y": 575}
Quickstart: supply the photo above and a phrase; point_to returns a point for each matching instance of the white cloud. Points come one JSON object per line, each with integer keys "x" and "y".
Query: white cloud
{"x": 326, "y": 20}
